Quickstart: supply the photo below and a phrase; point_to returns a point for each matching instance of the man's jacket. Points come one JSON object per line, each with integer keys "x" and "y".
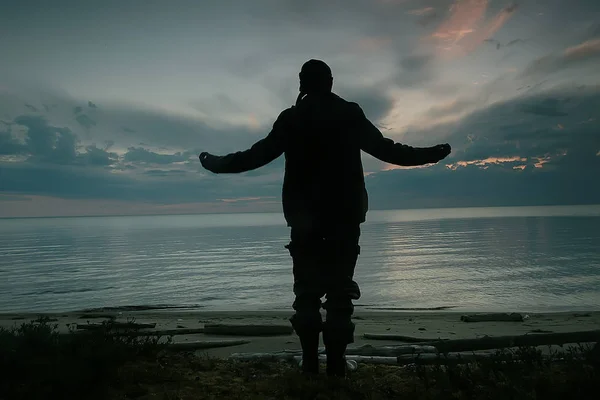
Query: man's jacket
{"x": 322, "y": 138}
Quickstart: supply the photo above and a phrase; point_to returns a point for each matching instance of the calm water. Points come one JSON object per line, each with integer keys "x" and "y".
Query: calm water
{"x": 509, "y": 259}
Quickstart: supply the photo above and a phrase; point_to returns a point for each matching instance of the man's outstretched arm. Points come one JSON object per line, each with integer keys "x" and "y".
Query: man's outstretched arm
{"x": 260, "y": 154}
{"x": 374, "y": 143}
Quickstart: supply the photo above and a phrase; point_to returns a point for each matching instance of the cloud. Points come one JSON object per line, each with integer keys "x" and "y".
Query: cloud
{"x": 575, "y": 56}
{"x": 95, "y": 156}
{"x": 415, "y": 70}
{"x": 85, "y": 121}
{"x": 165, "y": 172}
{"x": 32, "y": 108}
{"x": 464, "y": 16}
{"x": 466, "y": 29}
{"x": 373, "y": 100}
{"x": 45, "y": 143}
{"x": 48, "y": 143}
{"x": 453, "y": 107}
{"x": 92, "y": 105}
{"x": 141, "y": 155}
{"x": 9, "y": 145}
{"x": 473, "y": 186}
{"x": 426, "y": 15}
{"x": 526, "y": 127}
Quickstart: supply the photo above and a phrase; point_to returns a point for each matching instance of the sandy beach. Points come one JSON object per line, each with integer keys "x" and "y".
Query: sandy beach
{"x": 422, "y": 324}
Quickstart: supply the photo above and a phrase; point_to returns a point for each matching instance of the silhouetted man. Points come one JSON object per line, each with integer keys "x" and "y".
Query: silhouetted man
{"x": 324, "y": 203}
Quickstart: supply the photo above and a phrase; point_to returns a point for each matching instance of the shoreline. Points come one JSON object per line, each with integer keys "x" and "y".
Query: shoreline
{"x": 445, "y": 324}
{"x": 358, "y": 309}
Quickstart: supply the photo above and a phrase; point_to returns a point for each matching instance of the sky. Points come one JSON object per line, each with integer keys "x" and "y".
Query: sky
{"x": 105, "y": 106}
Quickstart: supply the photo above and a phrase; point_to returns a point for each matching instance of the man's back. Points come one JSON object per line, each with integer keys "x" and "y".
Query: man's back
{"x": 324, "y": 181}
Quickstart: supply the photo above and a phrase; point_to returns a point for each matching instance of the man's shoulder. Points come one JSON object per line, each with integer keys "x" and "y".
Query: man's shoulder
{"x": 287, "y": 114}
{"x": 348, "y": 106}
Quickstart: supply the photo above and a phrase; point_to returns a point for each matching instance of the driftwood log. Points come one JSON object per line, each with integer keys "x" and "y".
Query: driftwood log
{"x": 285, "y": 355}
{"x": 192, "y": 346}
{"x": 213, "y": 329}
{"x": 499, "y": 342}
{"x": 399, "y": 338}
{"x": 164, "y": 332}
{"x": 458, "y": 351}
{"x": 494, "y": 317}
{"x": 390, "y": 351}
{"x": 406, "y": 359}
{"x": 484, "y": 343}
{"x": 115, "y": 325}
{"x": 98, "y": 316}
{"x": 248, "y": 330}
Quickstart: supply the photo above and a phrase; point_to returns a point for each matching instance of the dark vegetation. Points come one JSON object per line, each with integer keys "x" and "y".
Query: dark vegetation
{"x": 39, "y": 363}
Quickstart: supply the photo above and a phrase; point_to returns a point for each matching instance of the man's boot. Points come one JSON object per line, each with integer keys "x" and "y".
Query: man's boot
{"x": 336, "y": 336}
{"x": 336, "y": 361}
{"x": 310, "y": 353}
{"x": 308, "y": 330}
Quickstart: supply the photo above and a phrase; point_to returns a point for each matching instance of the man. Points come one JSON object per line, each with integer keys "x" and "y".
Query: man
{"x": 324, "y": 203}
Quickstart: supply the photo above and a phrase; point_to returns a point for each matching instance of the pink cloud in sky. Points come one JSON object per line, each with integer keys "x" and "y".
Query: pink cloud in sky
{"x": 391, "y": 167}
{"x": 583, "y": 50}
{"x": 464, "y": 17}
{"x": 466, "y": 29}
{"x": 484, "y": 162}
{"x": 541, "y": 161}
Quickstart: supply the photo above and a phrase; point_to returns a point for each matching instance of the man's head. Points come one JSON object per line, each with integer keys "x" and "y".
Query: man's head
{"x": 315, "y": 77}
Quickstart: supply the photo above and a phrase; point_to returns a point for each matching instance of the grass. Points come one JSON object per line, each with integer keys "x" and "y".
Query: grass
{"x": 38, "y": 363}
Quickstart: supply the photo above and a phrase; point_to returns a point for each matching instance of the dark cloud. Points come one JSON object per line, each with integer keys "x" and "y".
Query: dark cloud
{"x": 546, "y": 107}
{"x": 141, "y": 155}
{"x": 172, "y": 131}
{"x": 77, "y": 109}
{"x": 97, "y": 183}
{"x": 372, "y": 100}
{"x": 32, "y": 108}
{"x": 415, "y": 70}
{"x": 91, "y": 105}
{"x": 504, "y": 130}
{"x": 95, "y": 156}
{"x": 45, "y": 143}
{"x": 9, "y": 145}
{"x": 85, "y": 121}
{"x": 473, "y": 186}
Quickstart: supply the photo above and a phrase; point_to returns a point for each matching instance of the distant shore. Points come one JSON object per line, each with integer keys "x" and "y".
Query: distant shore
{"x": 425, "y": 324}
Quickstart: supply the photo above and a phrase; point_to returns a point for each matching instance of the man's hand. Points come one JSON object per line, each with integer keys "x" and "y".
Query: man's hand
{"x": 440, "y": 152}
{"x": 206, "y": 160}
